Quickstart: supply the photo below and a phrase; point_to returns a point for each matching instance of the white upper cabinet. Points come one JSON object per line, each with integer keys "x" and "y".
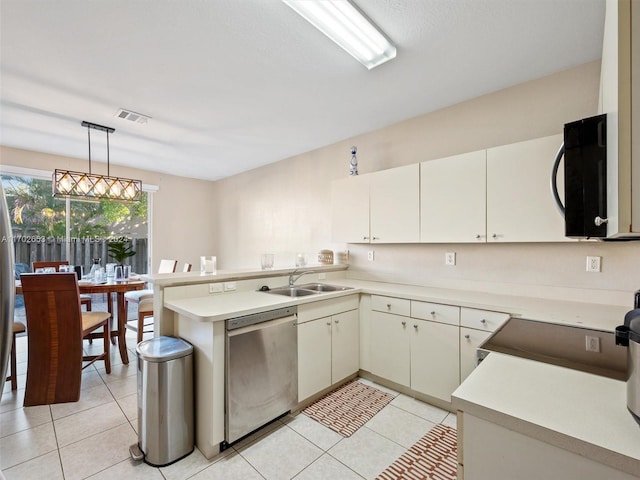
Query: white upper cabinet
{"x": 381, "y": 207}
{"x": 520, "y": 206}
{"x": 350, "y": 209}
{"x": 452, "y": 199}
{"x": 395, "y": 205}
{"x": 500, "y": 194}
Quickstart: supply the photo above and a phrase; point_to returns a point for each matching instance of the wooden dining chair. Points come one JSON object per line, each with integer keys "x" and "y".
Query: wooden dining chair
{"x": 57, "y": 327}
{"x": 85, "y": 298}
{"x": 16, "y": 329}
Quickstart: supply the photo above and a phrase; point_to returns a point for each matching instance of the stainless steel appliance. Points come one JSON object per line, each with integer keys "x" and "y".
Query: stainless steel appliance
{"x": 7, "y": 285}
{"x": 628, "y": 335}
{"x": 261, "y": 370}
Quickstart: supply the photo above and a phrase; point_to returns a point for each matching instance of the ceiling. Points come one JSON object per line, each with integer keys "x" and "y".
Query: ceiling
{"x": 235, "y": 84}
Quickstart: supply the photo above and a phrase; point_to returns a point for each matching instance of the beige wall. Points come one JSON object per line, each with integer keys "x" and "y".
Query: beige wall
{"x": 183, "y": 223}
{"x": 285, "y": 207}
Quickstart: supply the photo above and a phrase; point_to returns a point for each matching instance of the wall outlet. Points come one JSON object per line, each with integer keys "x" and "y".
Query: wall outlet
{"x": 593, "y": 264}
{"x": 228, "y": 286}
{"x": 450, "y": 258}
{"x": 215, "y": 287}
{"x": 370, "y": 255}
{"x": 592, "y": 344}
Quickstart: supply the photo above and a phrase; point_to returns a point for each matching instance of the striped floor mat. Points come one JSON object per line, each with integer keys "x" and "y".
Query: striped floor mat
{"x": 433, "y": 457}
{"x": 349, "y": 407}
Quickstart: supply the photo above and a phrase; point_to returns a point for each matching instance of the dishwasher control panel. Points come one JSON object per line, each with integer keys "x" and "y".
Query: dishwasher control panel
{"x": 260, "y": 317}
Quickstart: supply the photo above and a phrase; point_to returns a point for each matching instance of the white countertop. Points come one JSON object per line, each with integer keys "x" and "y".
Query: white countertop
{"x": 227, "y": 305}
{"x": 579, "y": 412}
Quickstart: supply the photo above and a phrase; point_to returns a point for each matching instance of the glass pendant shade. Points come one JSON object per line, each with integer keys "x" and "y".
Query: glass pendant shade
{"x": 86, "y": 186}
{"x": 92, "y": 187}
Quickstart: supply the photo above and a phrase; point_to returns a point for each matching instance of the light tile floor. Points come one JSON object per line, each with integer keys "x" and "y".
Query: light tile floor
{"x": 91, "y": 438}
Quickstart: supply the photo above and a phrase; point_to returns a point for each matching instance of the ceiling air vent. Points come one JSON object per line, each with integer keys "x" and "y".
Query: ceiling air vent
{"x": 132, "y": 116}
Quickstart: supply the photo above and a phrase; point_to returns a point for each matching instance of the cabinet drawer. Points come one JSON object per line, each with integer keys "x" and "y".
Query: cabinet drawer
{"x": 399, "y": 306}
{"x": 436, "y": 312}
{"x": 482, "y": 319}
{"x": 326, "y": 308}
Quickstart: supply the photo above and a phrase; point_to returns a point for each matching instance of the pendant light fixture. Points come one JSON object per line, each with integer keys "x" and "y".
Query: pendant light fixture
{"x": 92, "y": 187}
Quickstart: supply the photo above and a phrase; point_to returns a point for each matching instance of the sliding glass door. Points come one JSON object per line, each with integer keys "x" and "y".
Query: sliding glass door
{"x": 47, "y": 229}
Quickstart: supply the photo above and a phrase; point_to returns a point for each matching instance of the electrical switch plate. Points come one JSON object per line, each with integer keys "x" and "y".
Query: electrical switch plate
{"x": 450, "y": 258}
{"x": 592, "y": 344}
{"x": 370, "y": 255}
{"x": 228, "y": 286}
{"x": 593, "y": 264}
{"x": 215, "y": 287}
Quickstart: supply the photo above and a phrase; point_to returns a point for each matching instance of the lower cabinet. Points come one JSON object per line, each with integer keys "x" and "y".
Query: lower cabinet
{"x": 390, "y": 355}
{"x": 428, "y": 347}
{"x": 470, "y": 340}
{"x": 328, "y": 351}
{"x": 420, "y": 354}
{"x": 434, "y": 358}
{"x": 475, "y": 327}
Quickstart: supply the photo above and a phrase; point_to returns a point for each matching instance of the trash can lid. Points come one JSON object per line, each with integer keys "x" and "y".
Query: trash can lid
{"x": 163, "y": 349}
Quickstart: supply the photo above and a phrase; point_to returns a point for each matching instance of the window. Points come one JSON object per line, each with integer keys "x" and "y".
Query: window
{"x": 48, "y": 228}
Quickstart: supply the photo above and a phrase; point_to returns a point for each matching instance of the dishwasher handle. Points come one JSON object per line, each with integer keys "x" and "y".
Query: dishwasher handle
{"x": 293, "y": 319}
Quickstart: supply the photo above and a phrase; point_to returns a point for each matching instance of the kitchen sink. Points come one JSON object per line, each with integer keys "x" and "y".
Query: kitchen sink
{"x": 291, "y": 292}
{"x": 323, "y": 287}
{"x": 307, "y": 289}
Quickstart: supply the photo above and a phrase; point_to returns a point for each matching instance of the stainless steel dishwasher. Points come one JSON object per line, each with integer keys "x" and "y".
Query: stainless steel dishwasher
{"x": 261, "y": 370}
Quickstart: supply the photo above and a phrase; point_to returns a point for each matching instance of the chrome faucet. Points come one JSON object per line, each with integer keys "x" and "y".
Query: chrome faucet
{"x": 293, "y": 278}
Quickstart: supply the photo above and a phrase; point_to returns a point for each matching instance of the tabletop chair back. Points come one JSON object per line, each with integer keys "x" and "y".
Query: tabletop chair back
{"x": 55, "y": 353}
{"x": 167, "y": 266}
{"x": 84, "y": 299}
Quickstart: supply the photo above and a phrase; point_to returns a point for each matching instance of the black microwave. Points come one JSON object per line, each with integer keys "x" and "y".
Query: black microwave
{"x": 585, "y": 177}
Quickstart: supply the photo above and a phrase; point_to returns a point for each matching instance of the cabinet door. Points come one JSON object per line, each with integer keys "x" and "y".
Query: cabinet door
{"x": 345, "y": 345}
{"x": 452, "y": 199}
{"x": 435, "y": 361}
{"x": 314, "y": 357}
{"x": 470, "y": 340}
{"x": 350, "y": 209}
{"x": 395, "y": 205}
{"x": 390, "y": 355}
{"x": 520, "y": 206}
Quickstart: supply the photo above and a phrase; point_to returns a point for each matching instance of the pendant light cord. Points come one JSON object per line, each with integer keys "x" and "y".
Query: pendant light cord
{"x": 108, "y": 173}
{"x": 89, "y": 136}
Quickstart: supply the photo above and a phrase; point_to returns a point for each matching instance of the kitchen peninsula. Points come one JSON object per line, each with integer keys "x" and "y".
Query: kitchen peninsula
{"x": 193, "y": 306}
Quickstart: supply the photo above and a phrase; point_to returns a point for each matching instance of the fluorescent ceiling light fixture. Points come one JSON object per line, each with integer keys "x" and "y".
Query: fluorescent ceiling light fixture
{"x": 345, "y": 25}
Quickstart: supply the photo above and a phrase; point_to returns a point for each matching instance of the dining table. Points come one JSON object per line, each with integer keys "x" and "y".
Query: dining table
{"x": 119, "y": 288}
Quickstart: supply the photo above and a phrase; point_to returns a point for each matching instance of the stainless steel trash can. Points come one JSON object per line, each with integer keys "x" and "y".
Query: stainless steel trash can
{"x": 165, "y": 400}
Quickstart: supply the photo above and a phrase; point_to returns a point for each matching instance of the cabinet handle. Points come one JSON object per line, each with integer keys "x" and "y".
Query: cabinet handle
{"x": 467, "y": 336}
{"x": 328, "y": 324}
{"x": 365, "y": 238}
{"x": 336, "y": 321}
{"x": 388, "y": 306}
{"x": 483, "y": 321}
{"x": 433, "y": 314}
{"x": 404, "y": 324}
{"x": 478, "y": 237}
{"x": 376, "y": 238}
{"x": 415, "y": 326}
